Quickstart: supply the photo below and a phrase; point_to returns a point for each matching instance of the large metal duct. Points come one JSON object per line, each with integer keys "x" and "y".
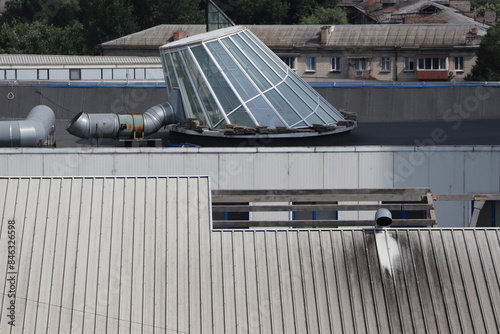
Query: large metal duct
{"x": 31, "y": 132}
{"x": 122, "y": 126}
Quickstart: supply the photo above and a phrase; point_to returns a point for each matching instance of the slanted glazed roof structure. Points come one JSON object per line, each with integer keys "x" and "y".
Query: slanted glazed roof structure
{"x": 229, "y": 76}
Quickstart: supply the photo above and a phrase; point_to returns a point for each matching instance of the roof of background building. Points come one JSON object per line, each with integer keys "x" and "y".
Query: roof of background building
{"x": 104, "y": 253}
{"x": 32, "y": 60}
{"x": 287, "y": 36}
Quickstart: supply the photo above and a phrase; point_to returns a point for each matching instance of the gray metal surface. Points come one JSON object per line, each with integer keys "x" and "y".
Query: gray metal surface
{"x": 14, "y": 60}
{"x": 120, "y": 126}
{"x": 32, "y": 132}
{"x": 134, "y": 254}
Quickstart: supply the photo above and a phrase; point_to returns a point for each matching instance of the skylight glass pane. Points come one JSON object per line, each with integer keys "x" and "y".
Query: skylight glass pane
{"x": 330, "y": 110}
{"x": 300, "y": 92}
{"x": 285, "y": 110}
{"x": 298, "y": 104}
{"x": 191, "y": 101}
{"x": 262, "y": 49}
{"x": 238, "y": 79}
{"x": 240, "y": 116}
{"x": 314, "y": 119}
{"x": 222, "y": 90}
{"x": 170, "y": 69}
{"x": 324, "y": 115}
{"x": 263, "y": 112}
{"x": 261, "y": 65}
{"x": 249, "y": 68}
{"x": 211, "y": 107}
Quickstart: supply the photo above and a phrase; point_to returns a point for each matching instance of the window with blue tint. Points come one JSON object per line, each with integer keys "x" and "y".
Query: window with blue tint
{"x": 212, "y": 109}
{"x": 247, "y": 66}
{"x": 240, "y": 117}
{"x": 263, "y": 49}
{"x": 190, "y": 99}
{"x": 170, "y": 69}
{"x": 330, "y": 110}
{"x": 261, "y": 65}
{"x": 298, "y": 104}
{"x": 281, "y": 106}
{"x": 235, "y": 75}
{"x": 314, "y": 119}
{"x": 308, "y": 99}
{"x": 324, "y": 115}
{"x": 263, "y": 112}
{"x": 222, "y": 90}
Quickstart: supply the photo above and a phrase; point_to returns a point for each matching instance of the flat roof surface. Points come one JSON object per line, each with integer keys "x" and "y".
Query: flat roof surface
{"x": 108, "y": 254}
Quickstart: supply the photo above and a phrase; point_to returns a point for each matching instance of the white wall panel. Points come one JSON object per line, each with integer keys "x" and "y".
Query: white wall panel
{"x": 446, "y": 172}
{"x": 374, "y": 169}
{"x": 25, "y": 165}
{"x": 411, "y": 169}
{"x": 482, "y": 171}
{"x": 305, "y": 171}
{"x": 236, "y": 172}
{"x": 271, "y": 171}
{"x": 341, "y": 170}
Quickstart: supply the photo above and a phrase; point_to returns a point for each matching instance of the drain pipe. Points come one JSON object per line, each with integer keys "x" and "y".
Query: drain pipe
{"x": 122, "y": 126}
{"x": 31, "y": 132}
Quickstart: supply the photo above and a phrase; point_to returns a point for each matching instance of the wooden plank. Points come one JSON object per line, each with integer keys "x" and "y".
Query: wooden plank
{"x": 255, "y": 207}
{"x": 267, "y": 192}
{"x": 317, "y": 198}
{"x": 219, "y": 224}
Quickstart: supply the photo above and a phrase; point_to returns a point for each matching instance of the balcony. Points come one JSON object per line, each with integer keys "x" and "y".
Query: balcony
{"x": 432, "y": 74}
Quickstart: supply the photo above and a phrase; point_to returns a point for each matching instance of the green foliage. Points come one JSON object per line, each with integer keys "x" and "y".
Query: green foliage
{"x": 489, "y": 6}
{"x": 326, "y": 15}
{"x": 487, "y": 67}
{"x": 77, "y": 26}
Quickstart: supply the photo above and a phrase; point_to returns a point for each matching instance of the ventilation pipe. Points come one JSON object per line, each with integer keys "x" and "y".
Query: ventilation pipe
{"x": 31, "y": 132}
{"x": 122, "y": 126}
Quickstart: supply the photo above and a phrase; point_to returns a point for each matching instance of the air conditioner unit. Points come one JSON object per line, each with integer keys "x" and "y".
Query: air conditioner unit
{"x": 359, "y": 74}
{"x": 452, "y": 73}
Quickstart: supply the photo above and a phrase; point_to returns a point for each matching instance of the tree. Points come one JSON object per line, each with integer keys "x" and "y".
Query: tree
{"x": 256, "y": 11}
{"x": 487, "y": 67}
{"x": 325, "y": 15}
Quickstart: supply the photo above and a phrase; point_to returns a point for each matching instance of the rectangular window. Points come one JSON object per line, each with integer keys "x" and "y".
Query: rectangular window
{"x": 409, "y": 64}
{"x": 75, "y": 74}
{"x": 385, "y": 63}
{"x": 335, "y": 64}
{"x": 310, "y": 64}
{"x": 432, "y": 63}
{"x": 43, "y": 74}
{"x": 459, "y": 63}
{"x": 289, "y": 61}
{"x": 358, "y": 64}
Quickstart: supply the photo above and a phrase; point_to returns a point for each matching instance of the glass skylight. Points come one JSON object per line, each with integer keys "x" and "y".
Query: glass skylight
{"x": 229, "y": 76}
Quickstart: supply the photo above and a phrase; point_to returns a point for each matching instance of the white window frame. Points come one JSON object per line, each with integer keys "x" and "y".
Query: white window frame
{"x": 436, "y": 64}
{"x": 74, "y": 71}
{"x": 409, "y": 64}
{"x": 358, "y": 64}
{"x": 385, "y": 64}
{"x": 335, "y": 65}
{"x": 459, "y": 64}
{"x": 310, "y": 64}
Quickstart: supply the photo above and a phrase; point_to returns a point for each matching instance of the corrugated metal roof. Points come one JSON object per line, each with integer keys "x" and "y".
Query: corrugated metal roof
{"x": 23, "y": 59}
{"x": 138, "y": 253}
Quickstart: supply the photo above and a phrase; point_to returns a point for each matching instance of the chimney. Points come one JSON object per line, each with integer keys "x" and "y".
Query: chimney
{"x": 178, "y": 35}
{"x": 326, "y": 32}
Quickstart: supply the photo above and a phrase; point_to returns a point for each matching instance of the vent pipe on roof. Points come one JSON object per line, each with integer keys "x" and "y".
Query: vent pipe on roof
{"x": 122, "y": 126}
{"x": 33, "y": 131}
{"x": 326, "y": 32}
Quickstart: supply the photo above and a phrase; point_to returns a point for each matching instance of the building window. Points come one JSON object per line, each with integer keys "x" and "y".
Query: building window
{"x": 409, "y": 64}
{"x": 385, "y": 63}
{"x": 75, "y": 74}
{"x": 310, "y": 64}
{"x": 358, "y": 64}
{"x": 459, "y": 64}
{"x": 335, "y": 64}
{"x": 289, "y": 61}
{"x": 43, "y": 74}
{"x": 432, "y": 63}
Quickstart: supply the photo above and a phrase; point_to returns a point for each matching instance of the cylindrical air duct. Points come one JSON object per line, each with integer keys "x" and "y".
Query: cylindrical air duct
{"x": 121, "y": 126}
{"x": 31, "y": 132}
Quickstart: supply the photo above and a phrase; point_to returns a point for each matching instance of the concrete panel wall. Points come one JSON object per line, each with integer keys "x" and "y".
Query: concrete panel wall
{"x": 371, "y": 104}
{"x": 446, "y": 170}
